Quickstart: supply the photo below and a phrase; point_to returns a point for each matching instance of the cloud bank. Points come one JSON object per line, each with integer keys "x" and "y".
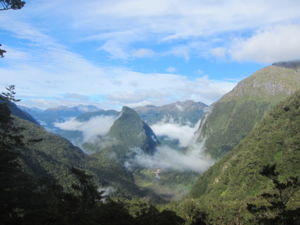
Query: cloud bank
{"x": 167, "y": 158}
{"x": 92, "y": 52}
{"x": 98, "y": 125}
{"x": 272, "y": 44}
{"x": 183, "y": 133}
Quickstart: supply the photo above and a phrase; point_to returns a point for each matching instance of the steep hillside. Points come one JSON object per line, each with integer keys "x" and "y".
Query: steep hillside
{"x": 50, "y": 155}
{"x": 46, "y": 154}
{"x": 235, "y": 180}
{"x": 16, "y": 111}
{"x": 187, "y": 112}
{"x": 130, "y": 131}
{"x": 235, "y": 114}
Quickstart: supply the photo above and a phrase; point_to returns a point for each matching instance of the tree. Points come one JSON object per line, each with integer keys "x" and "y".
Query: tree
{"x": 15, "y": 185}
{"x": 276, "y": 212}
{"x": 2, "y": 52}
{"x": 11, "y": 4}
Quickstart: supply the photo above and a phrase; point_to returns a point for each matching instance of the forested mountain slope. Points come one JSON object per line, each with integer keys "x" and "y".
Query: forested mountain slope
{"x": 236, "y": 113}
{"x": 235, "y": 180}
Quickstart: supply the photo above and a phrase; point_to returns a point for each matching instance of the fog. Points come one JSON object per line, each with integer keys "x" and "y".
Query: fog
{"x": 98, "y": 125}
{"x": 167, "y": 158}
{"x": 183, "y": 133}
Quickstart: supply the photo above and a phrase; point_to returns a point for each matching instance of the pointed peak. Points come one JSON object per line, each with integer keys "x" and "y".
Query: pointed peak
{"x": 126, "y": 109}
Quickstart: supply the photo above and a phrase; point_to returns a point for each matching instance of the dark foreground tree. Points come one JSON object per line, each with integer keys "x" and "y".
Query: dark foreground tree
{"x": 276, "y": 212}
{"x": 15, "y": 185}
{"x": 11, "y": 4}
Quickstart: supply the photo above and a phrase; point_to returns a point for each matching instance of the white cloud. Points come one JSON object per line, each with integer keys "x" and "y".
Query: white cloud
{"x": 183, "y": 133}
{"x": 117, "y": 25}
{"x": 143, "y": 52}
{"x": 54, "y": 71}
{"x": 219, "y": 52}
{"x": 169, "y": 159}
{"x": 171, "y": 69}
{"x": 98, "y": 125}
{"x": 272, "y": 44}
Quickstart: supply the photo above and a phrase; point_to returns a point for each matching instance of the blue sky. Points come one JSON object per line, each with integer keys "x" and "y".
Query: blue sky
{"x": 136, "y": 52}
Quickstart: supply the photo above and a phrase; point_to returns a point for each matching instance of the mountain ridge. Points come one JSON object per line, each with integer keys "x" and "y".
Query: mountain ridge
{"x": 233, "y": 116}
{"x": 235, "y": 179}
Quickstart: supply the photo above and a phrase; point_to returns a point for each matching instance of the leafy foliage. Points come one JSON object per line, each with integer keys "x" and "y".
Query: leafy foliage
{"x": 11, "y": 4}
{"x": 276, "y": 211}
{"x": 236, "y": 179}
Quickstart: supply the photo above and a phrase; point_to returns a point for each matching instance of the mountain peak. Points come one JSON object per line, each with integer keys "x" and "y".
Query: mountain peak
{"x": 131, "y": 131}
{"x": 126, "y": 109}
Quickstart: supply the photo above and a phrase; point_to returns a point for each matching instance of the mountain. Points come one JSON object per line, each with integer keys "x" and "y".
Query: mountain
{"x": 51, "y": 155}
{"x": 128, "y": 131}
{"x": 182, "y": 116}
{"x": 89, "y": 115}
{"x": 235, "y": 180}
{"x": 76, "y": 134}
{"x": 131, "y": 131}
{"x": 232, "y": 117}
{"x": 48, "y": 155}
{"x": 186, "y": 112}
{"x": 16, "y": 111}
{"x": 48, "y": 117}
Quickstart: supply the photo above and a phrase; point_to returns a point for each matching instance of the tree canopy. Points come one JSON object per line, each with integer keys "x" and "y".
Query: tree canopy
{"x": 11, "y": 4}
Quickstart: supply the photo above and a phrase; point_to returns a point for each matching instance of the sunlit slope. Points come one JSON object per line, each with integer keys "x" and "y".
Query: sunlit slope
{"x": 235, "y": 114}
{"x": 235, "y": 180}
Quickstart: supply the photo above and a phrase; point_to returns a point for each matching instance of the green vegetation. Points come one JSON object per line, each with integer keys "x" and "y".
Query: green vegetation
{"x": 131, "y": 131}
{"x": 276, "y": 210}
{"x": 28, "y": 199}
{"x": 235, "y": 180}
{"x": 44, "y": 179}
{"x": 235, "y": 115}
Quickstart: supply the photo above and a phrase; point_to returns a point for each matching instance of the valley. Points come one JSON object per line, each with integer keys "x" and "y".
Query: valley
{"x": 130, "y": 160}
{"x": 139, "y": 112}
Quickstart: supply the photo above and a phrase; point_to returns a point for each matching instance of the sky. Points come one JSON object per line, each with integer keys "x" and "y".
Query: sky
{"x": 138, "y": 52}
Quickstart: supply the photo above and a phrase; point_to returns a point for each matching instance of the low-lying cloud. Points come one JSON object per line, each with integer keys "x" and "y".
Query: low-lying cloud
{"x": 98, "y": 125}
{"x": 183, "y": 133}
{"x": 167, "y": 158}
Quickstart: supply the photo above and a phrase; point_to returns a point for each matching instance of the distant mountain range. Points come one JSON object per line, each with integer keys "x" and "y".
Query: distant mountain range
{"x": 185, "y": 113}
{"x": 48, "y": 117}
